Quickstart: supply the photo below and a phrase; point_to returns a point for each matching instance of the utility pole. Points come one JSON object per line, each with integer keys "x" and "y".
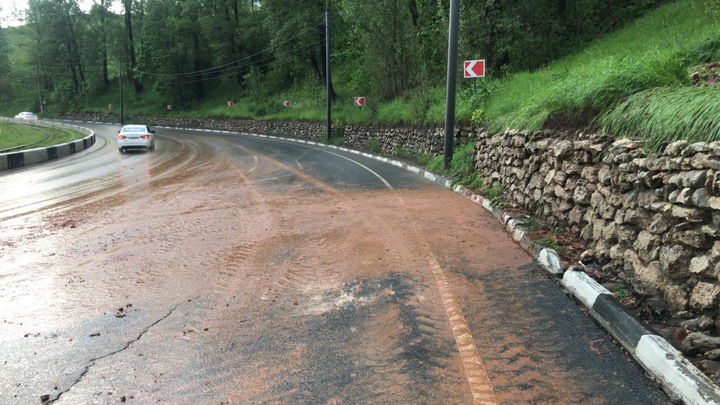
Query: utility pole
{"x": 122, "y": 106}
{"x": 451, "y": 82}
{"x": 40, "y": 97}
{"x": 327, "y": 69}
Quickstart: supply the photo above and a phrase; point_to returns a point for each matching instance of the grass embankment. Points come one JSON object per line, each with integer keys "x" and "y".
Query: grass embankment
{"x": 637, "y": 80}
{"x": 20, "y": 136}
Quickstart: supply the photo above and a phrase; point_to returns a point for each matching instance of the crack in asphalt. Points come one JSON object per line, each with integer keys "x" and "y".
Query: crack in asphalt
{"x": 127, "y": 346}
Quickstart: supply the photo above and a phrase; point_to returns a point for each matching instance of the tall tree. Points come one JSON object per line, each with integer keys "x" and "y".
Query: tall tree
{"x": 55, "y": 25}
{"x": 128, "y": 14}
{"x": 4, "y": 66}
{"x": 100, "y": 18}
{"x": 388, "y": 34}
{"x": 298, "y": 41}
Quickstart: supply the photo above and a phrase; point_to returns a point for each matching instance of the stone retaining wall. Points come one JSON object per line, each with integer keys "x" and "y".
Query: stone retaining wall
{"x": 655, "y": 219}
{"x": 389, "y": 140}
{"x": 295, "y": 129}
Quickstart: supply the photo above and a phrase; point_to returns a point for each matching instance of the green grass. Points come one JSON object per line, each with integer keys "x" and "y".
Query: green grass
{"x": 621, "y": 294}
{"x": 551, "y": 241}
{"x": 667, "y": 114}
{"x": 461, "y": 168}
{"x": 29, "y": 136}
{"x": 655, "y": 51}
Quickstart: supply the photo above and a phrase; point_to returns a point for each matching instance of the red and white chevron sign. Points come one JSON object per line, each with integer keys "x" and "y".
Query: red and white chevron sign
{"x": 474, "y": 68}
{"x": 360, "y": 101}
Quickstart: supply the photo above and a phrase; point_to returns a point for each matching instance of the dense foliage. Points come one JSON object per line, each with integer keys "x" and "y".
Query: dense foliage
{"x": 185, "y": 51}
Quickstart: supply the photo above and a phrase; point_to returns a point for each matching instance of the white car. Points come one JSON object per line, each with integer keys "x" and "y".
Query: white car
{"x": 26, "y": 115}
{"x": 136, "y": 137}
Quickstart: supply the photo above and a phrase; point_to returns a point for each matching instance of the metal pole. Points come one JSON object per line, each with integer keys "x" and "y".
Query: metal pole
{"x": 122, "y": 106}
{"x": 40, "y": 97}
{"x": 451, "y": 78}
{"x": 327, "y": 69}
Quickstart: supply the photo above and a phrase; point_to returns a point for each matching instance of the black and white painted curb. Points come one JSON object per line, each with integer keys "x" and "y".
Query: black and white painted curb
{"x": 12, "y": 160}
{"x": 680, "y": 378}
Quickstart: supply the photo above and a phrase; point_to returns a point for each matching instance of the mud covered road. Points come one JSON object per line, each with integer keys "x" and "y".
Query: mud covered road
{"x": 230, "y": 269}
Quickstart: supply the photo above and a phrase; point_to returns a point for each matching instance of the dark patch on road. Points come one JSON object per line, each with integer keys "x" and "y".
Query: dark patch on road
{"x": 332, "y": 356}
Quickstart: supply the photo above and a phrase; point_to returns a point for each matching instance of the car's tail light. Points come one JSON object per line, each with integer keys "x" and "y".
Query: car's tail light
{"x": 122, "y": 137}
{"x": 145, "y": 137}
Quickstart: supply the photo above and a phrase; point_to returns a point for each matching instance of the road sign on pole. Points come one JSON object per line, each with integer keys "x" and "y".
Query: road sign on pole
{"x": 230, "y": 103}
{"x": 169, "y": 107}
{"x": 286, "y": 103}
{"x": 474, "y": 68}
{"x": 360, "y": 101}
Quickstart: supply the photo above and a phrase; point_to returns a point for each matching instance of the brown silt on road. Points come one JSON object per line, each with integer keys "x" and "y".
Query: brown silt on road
{"x": 196, "y": 275}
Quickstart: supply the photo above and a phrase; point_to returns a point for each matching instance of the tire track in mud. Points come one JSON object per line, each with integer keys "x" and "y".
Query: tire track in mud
{"x": 184, "y": 230}
{"x": 395, "y": 251}
{"x": 525, "y": 359}
{"x": 93, "y": 191}
{"x": 479, "y": 383}
{"x": 311, "y": 289}
{"x": 476, "y": 374}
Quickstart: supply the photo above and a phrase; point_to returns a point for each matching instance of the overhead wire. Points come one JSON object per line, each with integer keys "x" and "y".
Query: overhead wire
{"x": 217, "y": 71}
{"x": 265, "y": 62}
{"x": 232, "y": 64}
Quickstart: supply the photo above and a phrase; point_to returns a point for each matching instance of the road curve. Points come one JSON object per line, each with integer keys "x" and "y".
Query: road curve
{"x": 225, "y": 268}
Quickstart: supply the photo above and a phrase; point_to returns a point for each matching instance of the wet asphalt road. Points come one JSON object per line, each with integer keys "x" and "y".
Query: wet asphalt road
{"x": 227, "y": 269}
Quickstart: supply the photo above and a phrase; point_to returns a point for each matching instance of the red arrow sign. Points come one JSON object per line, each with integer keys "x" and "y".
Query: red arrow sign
{"x": 360, "y": 101}
{"x": 230, "y": 103}
{"x": 474, "y": 68}
{"x": 286, "y": 103}
{"x": 169, "y": 106}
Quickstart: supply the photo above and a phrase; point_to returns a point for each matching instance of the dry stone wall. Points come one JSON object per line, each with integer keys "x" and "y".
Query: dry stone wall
{"x": 655, "y": 219}
{"x": 296, "y": 129}
{"x": 387, "y": 140}
{"x": 391, "y": 140}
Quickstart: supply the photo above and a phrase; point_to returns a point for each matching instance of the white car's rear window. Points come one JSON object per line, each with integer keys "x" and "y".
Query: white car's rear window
{"x": 134, "y": 130}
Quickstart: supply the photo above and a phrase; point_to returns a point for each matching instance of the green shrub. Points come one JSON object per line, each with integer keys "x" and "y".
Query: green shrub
{"x": 373, "y": 146}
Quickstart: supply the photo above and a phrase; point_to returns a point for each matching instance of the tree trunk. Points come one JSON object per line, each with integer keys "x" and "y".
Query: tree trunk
{"x": 131, "y": 45}
{"x": 72, "y": 48}
{"x": 198, "y": 87}
{"x": 103, "y": 37}
{"x": 414, "y": 12}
